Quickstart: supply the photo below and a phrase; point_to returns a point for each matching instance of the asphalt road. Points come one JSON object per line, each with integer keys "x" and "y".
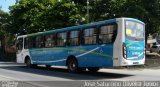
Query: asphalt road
{"x": 60, "y": 77}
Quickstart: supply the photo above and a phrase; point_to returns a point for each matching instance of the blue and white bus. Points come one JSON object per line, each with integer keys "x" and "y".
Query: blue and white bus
{"x": 109, "y": 43}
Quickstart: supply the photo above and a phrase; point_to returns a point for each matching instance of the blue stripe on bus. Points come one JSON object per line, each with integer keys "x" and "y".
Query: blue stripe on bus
{"x": 86, "y": 55}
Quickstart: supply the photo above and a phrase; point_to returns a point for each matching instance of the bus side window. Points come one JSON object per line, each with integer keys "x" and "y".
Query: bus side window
{"x": 31, "y": 43}
{"x": 50, "y": 41}
{"x": 107, "y": 34}
{"x": 26, "y": 43}
{"x": 89, "y": 36}
{"x": 19, "y": 45}
{"x": 73, "y": 38}
{"x": 39, "y": 41}
{"x": 33, "y": 39}
{"x": 61, "y": 39}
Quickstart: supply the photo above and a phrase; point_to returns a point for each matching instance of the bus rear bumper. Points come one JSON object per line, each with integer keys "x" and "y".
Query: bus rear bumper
{"x": 132, "y": 62}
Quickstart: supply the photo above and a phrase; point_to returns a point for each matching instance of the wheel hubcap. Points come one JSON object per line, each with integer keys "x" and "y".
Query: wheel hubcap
{"x": 28, "y": 63}
{"x": 72, "y": 66}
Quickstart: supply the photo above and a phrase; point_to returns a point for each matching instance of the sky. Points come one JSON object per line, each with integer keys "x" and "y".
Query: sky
{"x": 5, "y": 4}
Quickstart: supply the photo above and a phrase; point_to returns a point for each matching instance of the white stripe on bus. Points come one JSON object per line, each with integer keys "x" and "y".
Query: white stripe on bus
{"x": 51, "y": 61}
{"x": 76, "y": 56}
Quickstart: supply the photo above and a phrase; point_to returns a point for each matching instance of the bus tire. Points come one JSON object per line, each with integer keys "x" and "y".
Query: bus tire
{"x": 72, "y": 65}
{"x": 93, "y": 69}
{"x": 48, "y": 66}
{"x": 28, "y": 63}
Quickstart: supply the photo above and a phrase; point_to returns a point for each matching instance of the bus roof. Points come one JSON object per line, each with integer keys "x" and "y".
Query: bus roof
{"x": 79, "y": 27}
{"x": 74, "y": 27}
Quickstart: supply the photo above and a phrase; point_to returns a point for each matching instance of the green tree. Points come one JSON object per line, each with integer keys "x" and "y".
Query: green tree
{"x": 100, "y": 9}
{"x": 4, "y": 23}
{"x": 145, "y": 10}
{"x": 39, "y": 15}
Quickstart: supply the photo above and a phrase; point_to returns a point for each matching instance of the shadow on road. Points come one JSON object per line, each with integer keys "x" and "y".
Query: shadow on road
{"x": 63, "y": 73}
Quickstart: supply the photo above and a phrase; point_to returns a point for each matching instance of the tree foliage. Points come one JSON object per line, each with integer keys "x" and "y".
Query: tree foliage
{"x": 40, "y": 15}
{"x": 145, "y": 10}
{"x": 29, "y": 16}
{"x": 4, "y": 23}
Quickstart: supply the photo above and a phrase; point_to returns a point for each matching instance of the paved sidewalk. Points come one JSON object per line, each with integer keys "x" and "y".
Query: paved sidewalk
{"x": 11, "y": 64}
{"x": 1, "y": 62}
{"x": 2, "y": 78}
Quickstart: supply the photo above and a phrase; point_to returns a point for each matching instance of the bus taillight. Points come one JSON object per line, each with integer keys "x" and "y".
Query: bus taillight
{"x": 124, "y": 51}
{"x": 144, "y": 51}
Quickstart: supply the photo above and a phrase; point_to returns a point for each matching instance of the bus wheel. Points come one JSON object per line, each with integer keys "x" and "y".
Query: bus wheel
{"x": 29, "y": 65}
{"x": 93, "y": 69}
{"x": 72, "y": 65}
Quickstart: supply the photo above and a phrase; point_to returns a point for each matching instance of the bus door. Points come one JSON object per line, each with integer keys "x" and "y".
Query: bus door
{"x": 19, "y": 53}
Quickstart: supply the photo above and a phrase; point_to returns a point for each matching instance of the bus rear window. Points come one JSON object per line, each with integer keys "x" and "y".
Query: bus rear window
{"x": 134, "y": 30}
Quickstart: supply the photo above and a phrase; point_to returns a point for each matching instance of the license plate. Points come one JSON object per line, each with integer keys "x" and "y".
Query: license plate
{"x": 135, "y": 62}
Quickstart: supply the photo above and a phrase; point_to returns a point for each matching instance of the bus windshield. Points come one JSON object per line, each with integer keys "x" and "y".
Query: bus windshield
{"x": 134, "y": 30}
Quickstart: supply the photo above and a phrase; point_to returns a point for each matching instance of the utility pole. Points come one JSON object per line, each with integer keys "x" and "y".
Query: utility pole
{"x": 16, "y": 2}
{"x": 87, "y": 11}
